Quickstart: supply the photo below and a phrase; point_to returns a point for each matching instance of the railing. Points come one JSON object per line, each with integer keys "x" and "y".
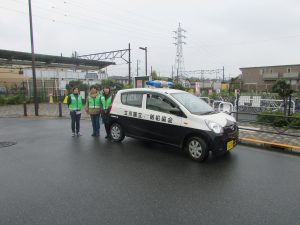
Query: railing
{"x": 267, "y": 117}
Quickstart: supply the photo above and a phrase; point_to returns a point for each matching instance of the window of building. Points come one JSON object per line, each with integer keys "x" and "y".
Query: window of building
{"x": 132, "y": 99}
{"x": 91, "y": 76}
{"x": 293, "y": 82}
{"x": 289, "y": 69}
{"x": 261, "y": 71}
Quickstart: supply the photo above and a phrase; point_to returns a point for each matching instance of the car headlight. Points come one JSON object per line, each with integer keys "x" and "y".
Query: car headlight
{"x": 215, "y": 127}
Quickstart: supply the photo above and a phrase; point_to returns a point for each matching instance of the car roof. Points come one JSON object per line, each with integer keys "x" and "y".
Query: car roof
{"x": 154, "y": 90}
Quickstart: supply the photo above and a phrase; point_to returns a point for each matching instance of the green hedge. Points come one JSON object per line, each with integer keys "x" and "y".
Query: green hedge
{"x": 11, "y": 100}
{"x": 277, "y": 119}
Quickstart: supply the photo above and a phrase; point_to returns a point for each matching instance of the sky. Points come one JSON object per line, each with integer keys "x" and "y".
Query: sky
{"x": 229, "y": 33}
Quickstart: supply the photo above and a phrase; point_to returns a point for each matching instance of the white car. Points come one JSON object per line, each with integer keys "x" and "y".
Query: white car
{"x": 172, "y": 117}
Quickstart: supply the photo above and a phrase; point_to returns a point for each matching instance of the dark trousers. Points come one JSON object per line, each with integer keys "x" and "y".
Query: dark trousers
{"x": 105, "y": 119}
{"x": 95, "y": 124}
{"x": 106, "y": 125}
{"x": 75, "y": 121}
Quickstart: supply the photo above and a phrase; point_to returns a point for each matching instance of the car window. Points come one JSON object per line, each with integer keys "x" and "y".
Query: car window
{"x": 193, "y": 104}
{"x": 159, "y": 103}
{"x": 132, "y": 99}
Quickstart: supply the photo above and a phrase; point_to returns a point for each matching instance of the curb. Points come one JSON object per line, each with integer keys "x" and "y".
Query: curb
{"x": 271, "y": 145}
{"x": 41, "y": 117}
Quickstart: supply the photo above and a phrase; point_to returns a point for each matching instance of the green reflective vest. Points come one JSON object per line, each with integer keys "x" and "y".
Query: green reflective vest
{"x": 76, "y": 104}
{"x": 106, "y": 103}
{"x": 94, "y": 103}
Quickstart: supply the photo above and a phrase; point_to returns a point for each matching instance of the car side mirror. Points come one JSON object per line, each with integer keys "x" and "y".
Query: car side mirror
{"x": 176, "y": 111}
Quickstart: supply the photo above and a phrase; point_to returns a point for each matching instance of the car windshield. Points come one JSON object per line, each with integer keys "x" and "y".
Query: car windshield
{"x": 193, "y": 104}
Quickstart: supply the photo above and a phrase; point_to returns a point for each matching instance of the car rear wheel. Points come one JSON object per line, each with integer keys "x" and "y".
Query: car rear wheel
{"x": 116, "y": 132}
{"x": 197, "y": 149}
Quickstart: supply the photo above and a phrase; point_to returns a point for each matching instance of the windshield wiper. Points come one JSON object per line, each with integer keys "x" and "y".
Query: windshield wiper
{"x": 209, "y": 112}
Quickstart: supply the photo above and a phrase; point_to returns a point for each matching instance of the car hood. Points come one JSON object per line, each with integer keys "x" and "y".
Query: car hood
{"x": 222, "y": 119}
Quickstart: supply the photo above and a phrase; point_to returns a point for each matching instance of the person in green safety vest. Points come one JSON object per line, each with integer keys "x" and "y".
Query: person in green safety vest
{"x": 92, "y": 107}
{"x": 75, "y": 106}
{"x": 106, "y": 101}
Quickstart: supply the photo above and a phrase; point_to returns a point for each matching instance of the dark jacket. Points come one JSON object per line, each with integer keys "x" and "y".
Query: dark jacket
{"x": 105, "y": 114}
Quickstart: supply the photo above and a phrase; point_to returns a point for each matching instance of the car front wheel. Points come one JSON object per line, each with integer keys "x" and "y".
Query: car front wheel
{"x": 197, "y": 149}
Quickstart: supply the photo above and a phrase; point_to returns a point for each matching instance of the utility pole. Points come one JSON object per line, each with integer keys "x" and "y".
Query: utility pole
{"x": 179, "y": 42}
{"x": 129, "y": 64}
{"x": 36, "y": 104}
{"x": 137, "y": 68}
{"x": 146, "y": 63}
{"x": 223, "y": 74}
{"x": 146, "y": 60}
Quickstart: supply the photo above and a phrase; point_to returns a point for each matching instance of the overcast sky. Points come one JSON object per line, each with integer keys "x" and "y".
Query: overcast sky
{"x": 229, "y": 33}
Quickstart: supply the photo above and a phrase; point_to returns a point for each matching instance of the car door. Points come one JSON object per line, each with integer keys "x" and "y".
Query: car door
{"x": 162, "y": 125}
{"x": 131, "y": 110}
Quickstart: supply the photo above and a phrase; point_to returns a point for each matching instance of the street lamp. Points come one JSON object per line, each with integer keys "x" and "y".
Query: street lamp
{"x": 36, "y": 104}
{"x": 145, "y": 49}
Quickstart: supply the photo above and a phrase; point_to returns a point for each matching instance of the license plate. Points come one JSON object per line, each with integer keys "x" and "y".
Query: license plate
{"x": 229, "y": 145}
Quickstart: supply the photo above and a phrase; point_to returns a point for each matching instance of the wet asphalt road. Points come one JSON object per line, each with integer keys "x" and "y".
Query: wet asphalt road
{"x": 52, "y": 178}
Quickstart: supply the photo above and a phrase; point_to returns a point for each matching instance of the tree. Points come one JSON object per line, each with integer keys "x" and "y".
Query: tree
{"x": 283, "y": 89}
{"x": 178, "y": 86}
{"x": 112, "y": 83}
{"x": 77, "y": 83}
{"x": 154, "y": 75}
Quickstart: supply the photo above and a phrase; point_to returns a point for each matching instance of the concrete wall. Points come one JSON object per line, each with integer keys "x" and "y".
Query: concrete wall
{"x": 264, "y": 77}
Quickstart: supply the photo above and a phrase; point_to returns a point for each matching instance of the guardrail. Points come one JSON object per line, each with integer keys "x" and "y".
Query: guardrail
{"x": 262, "y": 119}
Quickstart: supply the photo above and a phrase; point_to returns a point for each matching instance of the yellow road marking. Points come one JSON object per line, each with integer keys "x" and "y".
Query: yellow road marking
{"x": 270, "y": 143}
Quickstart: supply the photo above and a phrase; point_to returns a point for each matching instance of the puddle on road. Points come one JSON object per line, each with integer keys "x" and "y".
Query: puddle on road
{"x": 4, "y": 144}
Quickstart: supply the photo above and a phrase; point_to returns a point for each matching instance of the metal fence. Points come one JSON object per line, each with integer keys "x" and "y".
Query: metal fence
{"x": 24, "y": 90}
{"x": 263, "y": 115}
{"x": 255, "y": 111}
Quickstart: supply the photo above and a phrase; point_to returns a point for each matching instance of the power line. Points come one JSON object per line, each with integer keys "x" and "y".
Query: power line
{"x": 132, "y": 30}
{"x": 131, "y": 27}
{"x": 153, "y": 20}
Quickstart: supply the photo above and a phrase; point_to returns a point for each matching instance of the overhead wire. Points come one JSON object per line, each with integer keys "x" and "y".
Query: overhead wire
{"x": 132, "y": 27}
{"x": 114, "y": 26}
{"x": 129, "y": 13}
{"x": 137, "y": 33}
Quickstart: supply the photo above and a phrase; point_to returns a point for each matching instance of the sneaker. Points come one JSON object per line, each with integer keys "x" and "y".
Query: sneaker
{"x": 93, "y": 135}
{"x": 78, "y": 134}
{"x": 73, "y": 134}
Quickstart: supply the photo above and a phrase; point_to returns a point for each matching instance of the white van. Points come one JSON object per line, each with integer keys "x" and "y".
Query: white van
{"x": 172, "y": 117}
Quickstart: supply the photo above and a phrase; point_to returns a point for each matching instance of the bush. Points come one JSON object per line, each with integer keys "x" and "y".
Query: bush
{"x": 3, "y": 100}
{"x": 278, "y": 120}
{"x": 11, "y": 100}
{"x": 296, "y": 122}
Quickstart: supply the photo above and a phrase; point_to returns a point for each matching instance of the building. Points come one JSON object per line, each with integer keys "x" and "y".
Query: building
{"x": 64, "y": 76}
{"x": 120, "y": 79}
{"x": 214, "y": 84}
{"x": 264, "y": 77}
{"x": 52, "y": 72}
{"x": 11, "y": 78}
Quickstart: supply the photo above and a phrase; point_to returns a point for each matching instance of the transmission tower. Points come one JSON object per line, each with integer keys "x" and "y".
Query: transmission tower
{"x": 179, "y": 61}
